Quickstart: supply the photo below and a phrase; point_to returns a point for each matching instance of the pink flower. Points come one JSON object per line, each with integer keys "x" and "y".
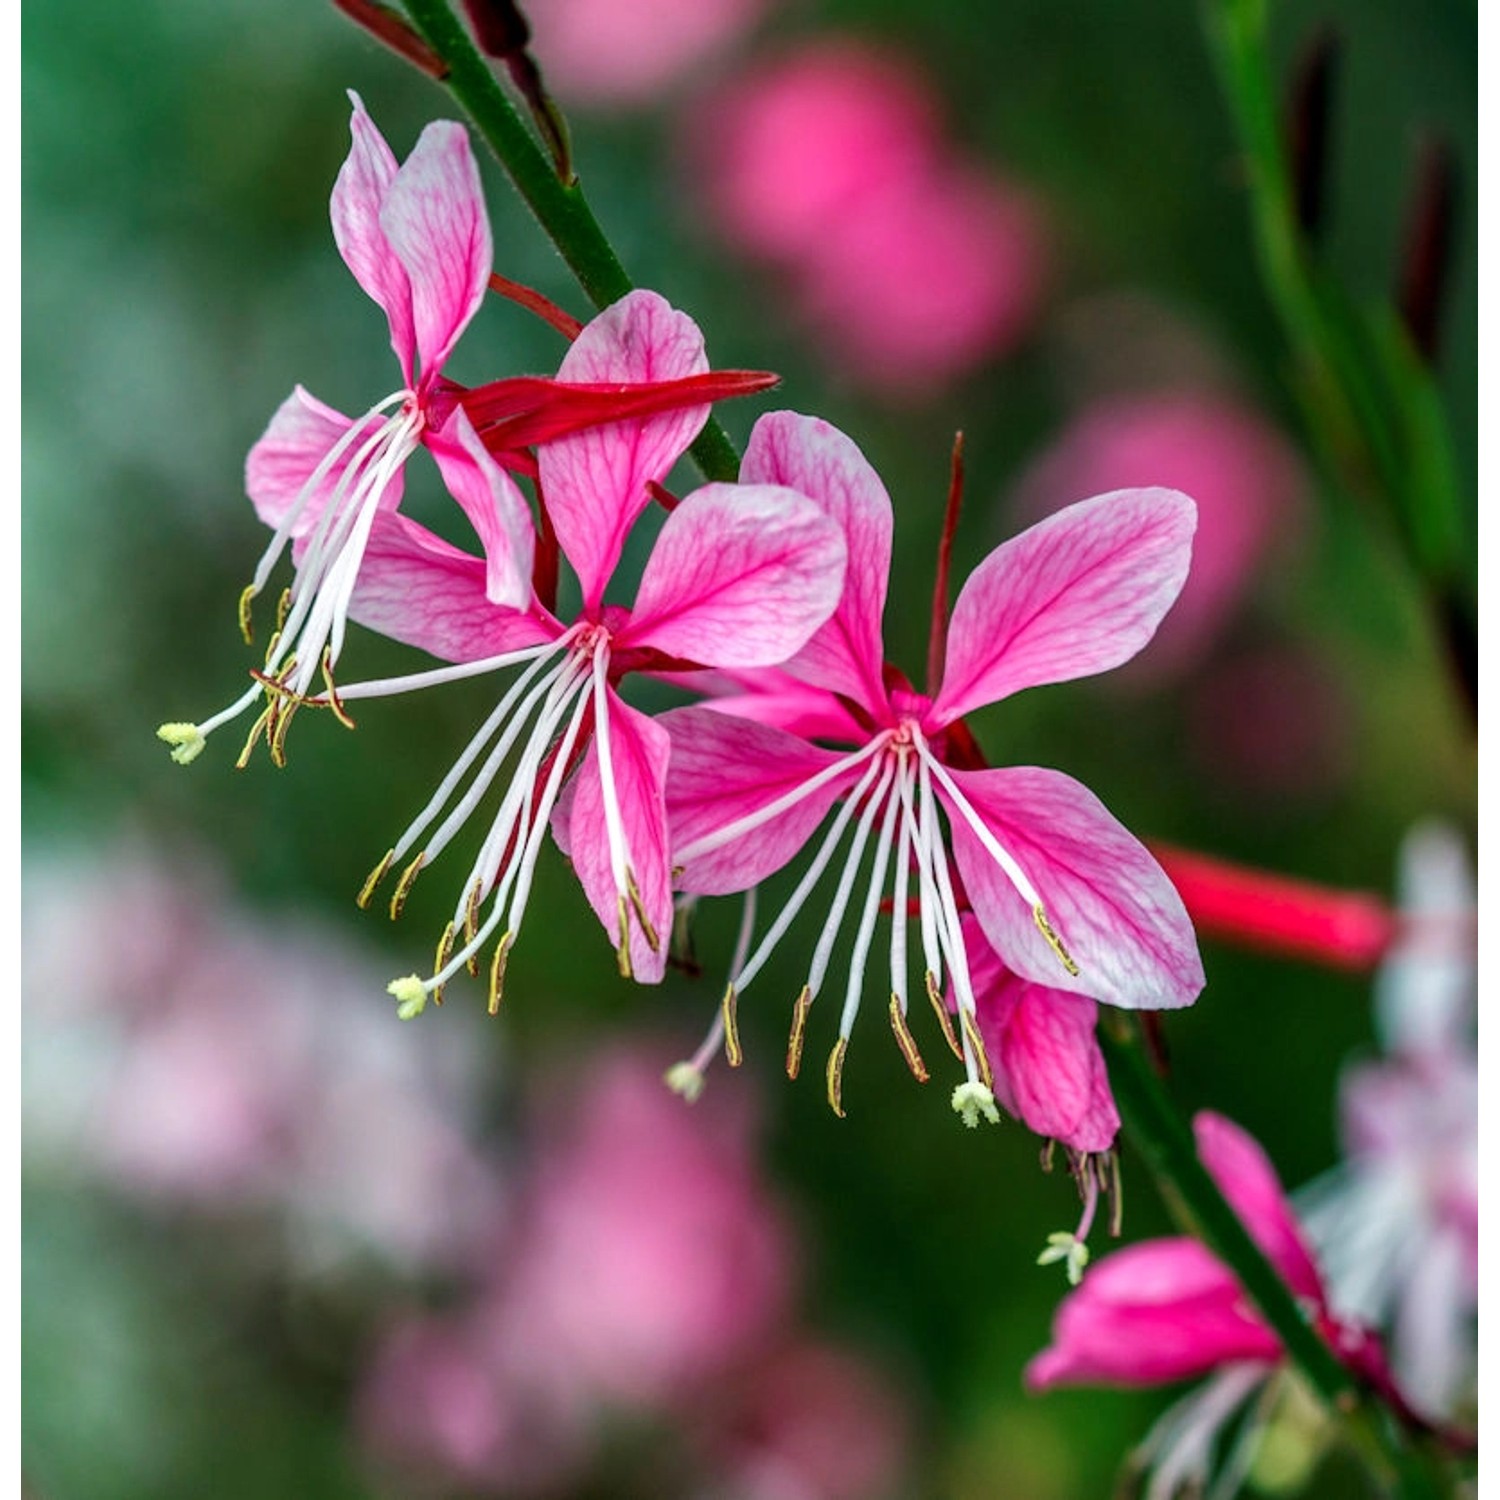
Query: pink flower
{"x": 1168, "y": 1310}
{"x": 1245, "y": 477}
{"x": 740, "y": 577}
{"x": 1065, "y": 896}
{"x": 1397, "y": 1222}
{"x": 908, "y": 266}
{"x": 599, "y": 53}
{"x": 416, "y": 238}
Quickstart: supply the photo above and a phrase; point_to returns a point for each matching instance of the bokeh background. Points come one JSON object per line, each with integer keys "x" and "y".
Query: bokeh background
{"x": 279, "y": 1243}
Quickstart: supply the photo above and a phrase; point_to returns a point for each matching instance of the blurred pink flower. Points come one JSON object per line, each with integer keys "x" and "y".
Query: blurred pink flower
{"x": 1397, "y": 1222}
{"x": 908, "y": 265}
{"x": 811, "y": 1422}
{"x": 1247, "y": 480}
{"x": 652, "y": 1256}
{"x": 603, "y": 54}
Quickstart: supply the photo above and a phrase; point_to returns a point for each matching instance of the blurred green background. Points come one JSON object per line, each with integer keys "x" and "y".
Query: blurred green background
{"x": 180, "y": 277}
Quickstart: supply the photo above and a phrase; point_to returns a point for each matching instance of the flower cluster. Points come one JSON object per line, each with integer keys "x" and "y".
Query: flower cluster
{"x": 764, "y": 597}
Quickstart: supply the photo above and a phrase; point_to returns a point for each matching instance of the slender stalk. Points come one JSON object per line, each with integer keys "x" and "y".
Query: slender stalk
{"x": 1370, "y": 399}
{"x": 1158, "y": 1130}
{"x": 560, "y": 208}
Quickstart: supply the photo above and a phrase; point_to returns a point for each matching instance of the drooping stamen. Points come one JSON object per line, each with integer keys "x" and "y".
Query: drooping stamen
{"x": 497, "y": 972}
{"x": 836, "y": 1076}
{"x": 906, "y": 1041}
{"x": 677, "y": 1077}
{"x": 927, "y": 848}
{"x": 732, "y": 1052}
{"x": 404, "y": 885}
{"x": 796, "y": 1039}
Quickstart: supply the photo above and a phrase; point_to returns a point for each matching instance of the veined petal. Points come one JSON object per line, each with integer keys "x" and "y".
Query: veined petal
{"x": 416, "y": 588}
{"x": 595, "y": 481}
{"x": 816, "y": 459}
{"x": 358, "y": 196}
{"x": 1075, "y": 594}
{"x": 1117, "y": 914}
{"x": 300, "y": 435}
{"x": 769, "y": 695}
{"x": 1245, "y": 1176}
{"x": 639, "y": 750}
{"x": 724, "y": 769}
{"x": 741, "y": 575}
{"x": 1048, "y": 1067}
{"x": 434, "y": 218}
{"x": 1159, "y": 1311}
{"x": 494, "y": 506}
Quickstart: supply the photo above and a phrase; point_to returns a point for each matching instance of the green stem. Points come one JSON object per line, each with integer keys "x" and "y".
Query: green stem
{"x": 1158, "y": 1130}
{"x": 560, "y": 208}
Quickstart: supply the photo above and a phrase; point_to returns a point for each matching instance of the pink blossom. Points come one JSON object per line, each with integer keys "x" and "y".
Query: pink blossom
{"x": 1397, "y": 1222}
{"x": 907, "y": 265}
{"x": 416, "y": 239}
{"x": 740, "y": 577}
{"x": 1065, "y": 896}
{"x": 1245, "y": 477}
{"x": 599, "y": 53}
{"x": 1168, "y": 1310}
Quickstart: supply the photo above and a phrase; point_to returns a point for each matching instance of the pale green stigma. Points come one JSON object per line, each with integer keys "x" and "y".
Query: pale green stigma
{"x": 411, "y": 996}
{"x": 973, "y": 1099}
{"x": 686, "y": 1079}
{"x": 1067, "y": 1247}
{"x": 187, "y": 741}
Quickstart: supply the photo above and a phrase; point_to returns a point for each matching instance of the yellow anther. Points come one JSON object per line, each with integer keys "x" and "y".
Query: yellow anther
{"x": 471, "y": 926}
{"x": 940, "y": 1009}
{"x": 372, "y": 881}
{"x": 187, "y": 741}
{"x": 836, "y": 1076}
{"x": 404, "y": 885}
{"x": 283, "y": 609}
{"x": 906, "y": 1042}
{"x": 1053, "y": 941}
{"x": 440, "y": 961}
{"x": 653, "y": 941}
{"x": 259, "y": 727}
{"x": 973, "y": 1101}
{"x": 732, "y": 1053}
{"x": 622, "y": 952}
{"x": 799, "y": 1029}
{"x": 497, "y": 971}
{"x": 335, "y": 703}
{"x": 684, "y": 1079}
{"x": 246, "y": 628}
{"x": 411, "y": 996}
{"x": 281, "y": 721}
{"x": 976, "y": 1042}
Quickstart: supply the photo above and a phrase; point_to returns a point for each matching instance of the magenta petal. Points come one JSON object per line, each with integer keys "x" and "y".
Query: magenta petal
{"x": 594, "y": 482}
{"x": 724, "y": 769}
{"x": 741, "y": 575}
{"x": 1159, "y": 1311}
{"x": 300, "y": 435}
{"x": 1048, "y": 1067}
{"x": 434, "y": 219}
{"x": 639, "y": 749}
{"x": 770, "y": 696}
{"x": 1245, "y": 1176}
{"x": 416, "y": 588}
{"x": 811, "y": 456}
{"x": 1116, "y": 912}
{"x": 358, "y": 195}
{"x": 1075, "y": 594}
{"x": 494, "y": 506}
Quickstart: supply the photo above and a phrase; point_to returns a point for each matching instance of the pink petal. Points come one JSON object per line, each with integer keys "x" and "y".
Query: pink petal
{"x": 639, "y": 749}
{"x": 594, "y": 482}
{"x": 358, "y": 196}
{"x": 771, "y": 696}
{"x": 300, "y": 435}
{"x": 724, "y": 769}
{"x": 416, "y": 588}
{"x": 1048, "y": 1067}
{"x": 1159, "y": 1311}
{"x": 434, "y": 219}
{"x": 1117, "y": 914}
{"x": 1245, "y": 1176}
{"x": 1075, "y": 594}
{"x": 816, "y": 459}
{"x": 493, "y": 505}
{"x": 741, "y": 575}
